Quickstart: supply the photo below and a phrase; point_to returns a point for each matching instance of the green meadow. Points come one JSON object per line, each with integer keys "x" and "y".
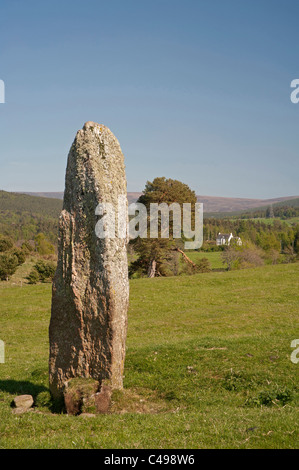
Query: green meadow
{"x": 207, "y": 366}
{"x": 214, "y": 258}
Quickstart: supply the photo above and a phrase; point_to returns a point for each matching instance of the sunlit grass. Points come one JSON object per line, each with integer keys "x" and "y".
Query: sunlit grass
{"x": 207, "y": 345}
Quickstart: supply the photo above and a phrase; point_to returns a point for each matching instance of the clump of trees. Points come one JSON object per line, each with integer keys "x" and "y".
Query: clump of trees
{"x": 10, "y": 258}
{"x": 43, "y": 271}
{"x": 246, "y": 256}
{"x": 250, "y": 255}
{"x": 43, "y": 246}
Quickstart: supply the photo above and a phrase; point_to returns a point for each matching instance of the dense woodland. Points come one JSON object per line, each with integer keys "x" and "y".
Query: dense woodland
{"x": 277, "y": 235}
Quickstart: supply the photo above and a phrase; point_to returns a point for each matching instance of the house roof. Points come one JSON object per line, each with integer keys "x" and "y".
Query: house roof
{"x": 223, "y": 235}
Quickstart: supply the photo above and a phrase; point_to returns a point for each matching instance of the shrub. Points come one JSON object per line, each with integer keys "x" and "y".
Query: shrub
{"x": 237, "y": 381}
{"x": 46, "y": 270}
{"x": 251, "y": 257}
{"x": 203, "y": 265}
{"x": 273, "y": 256}
{"x": 230, "y": 257}
{"x": 276, "y": 396}
{"x": 8, "y": 265}
{"x": 33, "y": 277}
{"x": 211, "y": 247}
{"x": 20, "y": 256}
{"x": 246, "y": 256}
{"x": 42, "y": 272}
{"x": 26, "y": 248}
{"x": 187, "y": 269}
{"x": 43, "y": 246}
{"x": 6, "y": 244}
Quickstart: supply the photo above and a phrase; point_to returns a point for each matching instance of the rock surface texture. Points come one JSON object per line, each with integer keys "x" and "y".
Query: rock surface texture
{"x": 25, "y": 401}
{"x": 90, "y": 290}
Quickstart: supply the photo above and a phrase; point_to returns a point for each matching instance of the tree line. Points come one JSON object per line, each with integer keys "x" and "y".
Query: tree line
{"x": 23, "y": 232}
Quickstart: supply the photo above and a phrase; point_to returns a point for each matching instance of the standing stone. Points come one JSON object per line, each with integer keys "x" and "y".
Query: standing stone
{"x": 90, "y": 290}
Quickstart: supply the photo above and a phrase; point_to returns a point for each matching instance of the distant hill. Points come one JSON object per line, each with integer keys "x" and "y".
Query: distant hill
{"x": 226, "y": 204}
{"x": 279, "y": 208}
{"x": 35, "y": 205}
{"x": 132, "y": 197}
{"x": 289, "y": 203}
{"x": 57, "y": 195}
{"x": 211, "y": 203}
{"x": 22, "y": 216}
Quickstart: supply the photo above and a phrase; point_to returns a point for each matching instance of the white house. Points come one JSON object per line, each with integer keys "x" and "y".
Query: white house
{"x": 227, "y": 239}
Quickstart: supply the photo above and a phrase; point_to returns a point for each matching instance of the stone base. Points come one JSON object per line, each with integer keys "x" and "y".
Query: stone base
{"x": 86, "y": 396}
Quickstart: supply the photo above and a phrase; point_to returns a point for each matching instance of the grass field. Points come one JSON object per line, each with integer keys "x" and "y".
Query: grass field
{"x": 213, "y": 257}
{"x": 210, "y": 352}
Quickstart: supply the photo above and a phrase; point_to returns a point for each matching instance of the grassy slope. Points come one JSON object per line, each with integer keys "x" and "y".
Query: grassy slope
{"x": 218, "y": 324}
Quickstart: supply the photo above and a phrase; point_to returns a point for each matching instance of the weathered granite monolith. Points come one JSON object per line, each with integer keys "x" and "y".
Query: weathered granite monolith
{"x": 90, "y": 290}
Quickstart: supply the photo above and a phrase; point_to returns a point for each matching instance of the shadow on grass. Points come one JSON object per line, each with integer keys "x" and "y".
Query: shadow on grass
{"x": 21, "y": 387}
{"x": 40, "y": 393}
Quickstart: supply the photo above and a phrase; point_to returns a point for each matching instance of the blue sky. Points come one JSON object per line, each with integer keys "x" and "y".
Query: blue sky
{"x": 197, "y": 91}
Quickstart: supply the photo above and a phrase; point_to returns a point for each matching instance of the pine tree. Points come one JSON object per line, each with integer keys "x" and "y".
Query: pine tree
{"x": 153, "y": 253}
